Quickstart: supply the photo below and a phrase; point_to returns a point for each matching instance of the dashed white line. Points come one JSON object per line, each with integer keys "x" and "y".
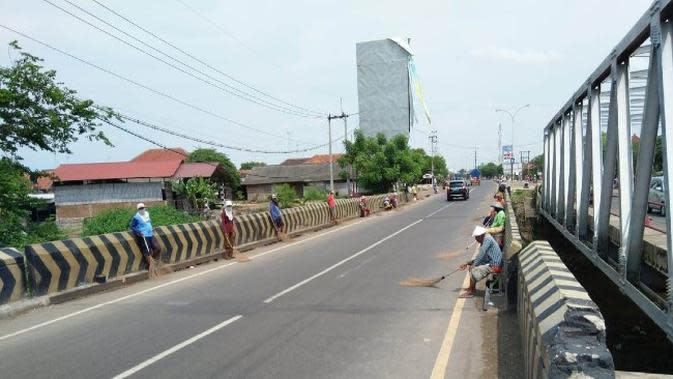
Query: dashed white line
{"x": 175, "y": 348}
{"x": 170, "y": 283}
{"x": 332, "y": 267}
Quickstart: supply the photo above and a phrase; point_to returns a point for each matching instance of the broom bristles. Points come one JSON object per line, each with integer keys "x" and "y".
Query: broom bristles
{"x": 241, "y": 257}
{"x": 416, "y": 282}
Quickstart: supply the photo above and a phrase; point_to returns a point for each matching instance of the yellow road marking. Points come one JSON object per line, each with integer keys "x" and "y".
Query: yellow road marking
{"x": 442, "y": 360}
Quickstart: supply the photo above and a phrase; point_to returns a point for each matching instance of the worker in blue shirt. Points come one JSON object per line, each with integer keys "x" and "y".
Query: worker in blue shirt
{"x": 488, "y": 260}
{"x": 276, "y": 217}
{"x": 141, "y": 225}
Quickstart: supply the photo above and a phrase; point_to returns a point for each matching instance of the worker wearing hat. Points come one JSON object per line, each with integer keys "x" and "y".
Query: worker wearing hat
{"x": 488, "y": 260}
{"x": 497, "y": 226}
{"x": 141, "y": 226}
{"x": 228, "y": 229}
{"x": 276, "y": 217}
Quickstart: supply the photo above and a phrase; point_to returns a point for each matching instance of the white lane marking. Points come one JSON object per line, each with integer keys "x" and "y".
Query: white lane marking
{"x": 175, "y": 348}
{"x": 439, "y": 210}
{"x": 332, "y": 267}
{"x": 364, "y": 262}
{"x": 446, "y": 206}
{"x": 176, "y": 281}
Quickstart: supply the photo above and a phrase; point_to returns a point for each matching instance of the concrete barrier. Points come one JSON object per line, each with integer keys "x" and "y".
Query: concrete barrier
{"x": 12, "y": 275}
{"x": 58, "y": 266}
{"x": 562, "y": 329}
{"x": 61, "y": 265}
{"x": 186, "y": 241}
{"x": 512, "y": 246}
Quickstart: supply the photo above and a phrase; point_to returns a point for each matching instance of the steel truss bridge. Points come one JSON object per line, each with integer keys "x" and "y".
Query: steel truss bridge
{"x": 595, "y": 188}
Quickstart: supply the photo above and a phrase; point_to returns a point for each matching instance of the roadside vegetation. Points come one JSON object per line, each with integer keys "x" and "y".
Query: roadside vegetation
{"x": 39, "y": 113}
{"x": 118, "y": 219}
{"x": 378, "y": 163}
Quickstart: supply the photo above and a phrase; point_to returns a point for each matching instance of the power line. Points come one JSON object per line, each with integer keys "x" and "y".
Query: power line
{"x": 143, "y": 86}
{"x": 307, "y": 110}
{"x": 216, "y": 144}
{"x": 153, "y": 142}
{"x": 227, "y": 88}
{"x": 227, "y": 32}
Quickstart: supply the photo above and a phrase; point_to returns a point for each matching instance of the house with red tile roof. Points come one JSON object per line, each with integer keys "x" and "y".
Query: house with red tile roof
{"x": 85, "y": 189}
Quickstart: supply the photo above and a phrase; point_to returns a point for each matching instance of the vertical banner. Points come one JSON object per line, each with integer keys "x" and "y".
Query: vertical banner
{"x": 415, "y": 81}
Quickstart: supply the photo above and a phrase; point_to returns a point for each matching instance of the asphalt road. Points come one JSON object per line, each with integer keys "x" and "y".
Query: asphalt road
{"x": 327, "y": 304}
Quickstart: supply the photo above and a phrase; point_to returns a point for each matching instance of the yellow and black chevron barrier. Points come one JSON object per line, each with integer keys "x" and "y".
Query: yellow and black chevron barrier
{"x": 61, "y": 265}
{"x": 12, "y": 275}
{"x": 186, "y": 241}
{"x": 562, "y": 329}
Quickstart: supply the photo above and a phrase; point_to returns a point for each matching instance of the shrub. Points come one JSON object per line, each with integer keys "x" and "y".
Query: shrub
{"x": 315, "y": 193}
{"x": 118, "y": 219}
{"x": 286, "y": 195}
{"x": 36, "y": 233}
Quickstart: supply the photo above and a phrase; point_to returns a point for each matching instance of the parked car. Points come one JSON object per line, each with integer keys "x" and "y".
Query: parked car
{"x": 655, "y": 200}
{"x": 457, "y": 188}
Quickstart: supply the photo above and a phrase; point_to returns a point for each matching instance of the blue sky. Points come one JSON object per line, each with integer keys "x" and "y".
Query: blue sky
{"x": 472, "y": 56}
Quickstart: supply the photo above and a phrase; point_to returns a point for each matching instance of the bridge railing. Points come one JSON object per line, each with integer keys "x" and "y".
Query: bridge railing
{"x": 589, "y": 148}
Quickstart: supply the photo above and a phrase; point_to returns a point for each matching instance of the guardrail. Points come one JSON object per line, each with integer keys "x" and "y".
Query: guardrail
{"x": 578, "y": 163}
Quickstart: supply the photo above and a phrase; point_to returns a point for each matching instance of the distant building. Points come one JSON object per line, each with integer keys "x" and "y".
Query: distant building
{"x": 384, "y": 93}
{"x": 84, "y": 189}
{"x": 310, "y": 172}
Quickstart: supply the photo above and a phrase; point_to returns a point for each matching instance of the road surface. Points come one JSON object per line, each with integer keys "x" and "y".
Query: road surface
{"x": 327, "y": 304}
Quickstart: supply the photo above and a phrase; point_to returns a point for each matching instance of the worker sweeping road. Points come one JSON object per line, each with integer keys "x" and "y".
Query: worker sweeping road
{"x": 141, "y": 226}
{"x": 331, "y": 204}
{"x": 228, "y": 229}
{"x": 488, "y": 260}
{"x": 276, "y": 217}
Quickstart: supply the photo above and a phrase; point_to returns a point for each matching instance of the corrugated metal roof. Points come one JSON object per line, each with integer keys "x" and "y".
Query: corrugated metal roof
{"x": 322, "y": 158}
{"x": 293, "y": 161}
{"x": 290, "y": 174}
{"x": 154, "y": 155}
{"x": 116, "y": 170}
{"x": 196, "y": 170}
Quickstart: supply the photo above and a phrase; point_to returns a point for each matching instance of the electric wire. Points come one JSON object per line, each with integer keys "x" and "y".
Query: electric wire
{"x": 217, "y": 144}
{"x": 226, "y": 89}
{"x": 128, "y": 20}
{"x": 158, "y": 144}
{"x": 145, "y": 87}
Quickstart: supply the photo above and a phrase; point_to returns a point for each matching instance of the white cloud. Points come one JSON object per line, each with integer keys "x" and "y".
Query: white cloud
{"x": 516, "y": 56}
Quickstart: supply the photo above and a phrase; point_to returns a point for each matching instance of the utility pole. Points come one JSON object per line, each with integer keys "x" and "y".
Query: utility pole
{"x": 331, "y": 168}
{"x": 331, "y": 163}
{"x": 475, "y": 156}
{"x": 500, "y": 143}
{"x": 433, "y": 151}
{"x": 345, "y": 118}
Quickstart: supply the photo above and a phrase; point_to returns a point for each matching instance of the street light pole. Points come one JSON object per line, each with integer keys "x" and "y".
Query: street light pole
{"x": 512, "y": 116}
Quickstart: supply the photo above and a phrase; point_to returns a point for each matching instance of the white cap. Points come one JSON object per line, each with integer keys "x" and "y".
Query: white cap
{"x": 140, "y": 205}
{"x": 478, "y": 231}
{"x": 228, "y": 203}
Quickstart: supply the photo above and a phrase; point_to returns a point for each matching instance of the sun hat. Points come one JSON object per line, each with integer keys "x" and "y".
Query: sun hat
{"x": 478, "y": 231}
{"x": 140, "y": 206}
{"x": 228, "y": 203}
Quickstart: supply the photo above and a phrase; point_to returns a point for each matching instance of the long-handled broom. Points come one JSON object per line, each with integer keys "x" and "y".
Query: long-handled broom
{"x": 415, "y": 282}
{"x": 157, "y": 267}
